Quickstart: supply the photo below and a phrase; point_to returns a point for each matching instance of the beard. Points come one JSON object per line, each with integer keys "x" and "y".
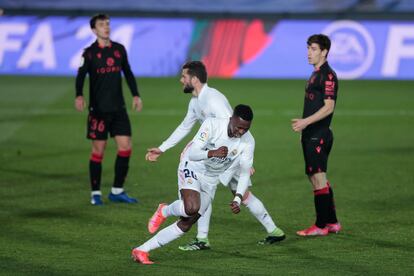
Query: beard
{"x": 188, "y": 89}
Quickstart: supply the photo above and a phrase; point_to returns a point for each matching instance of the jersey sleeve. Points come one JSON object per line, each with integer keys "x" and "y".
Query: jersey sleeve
{"x": 182, "y": 130}
{"x": 129, "y": 76}
{"x": 198, "y": 150}
{"x": 330, "y": 86}
{"x": 246, "y": 162}
{"x": 82, "y": 71}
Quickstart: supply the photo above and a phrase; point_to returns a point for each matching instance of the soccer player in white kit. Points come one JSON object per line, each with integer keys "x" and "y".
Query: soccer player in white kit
{"x": 208, "y": 102}
{"x": 219, "y": 146}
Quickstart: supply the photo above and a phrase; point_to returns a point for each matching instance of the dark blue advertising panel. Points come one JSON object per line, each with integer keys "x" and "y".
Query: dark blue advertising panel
{"x": 230, "y": 48}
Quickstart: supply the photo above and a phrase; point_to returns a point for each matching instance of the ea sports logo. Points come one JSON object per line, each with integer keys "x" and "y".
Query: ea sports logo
{"x": 352, "y": 51}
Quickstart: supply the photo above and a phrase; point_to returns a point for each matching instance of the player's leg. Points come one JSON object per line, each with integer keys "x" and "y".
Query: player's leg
{"x": 95, "y": 170}
{"x": 191, "y": 202}
{"x": 120, "y": 129}
{"x": 258, "y": 210}
{"x": 333, "y": 224}
{"x": 201, "y": 241}
{"x": 98, "y": 134}
{"x": 321, "y": 198}
{"x": 186, "y": 206}
{"x": 168, "y": 234}
{"x": 316, "y": 154}
{"x": 188, "y": 203}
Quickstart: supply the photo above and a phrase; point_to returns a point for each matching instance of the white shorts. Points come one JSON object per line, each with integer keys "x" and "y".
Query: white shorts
{"x": 204, "y": 185}
{"x": 230, "y": 178}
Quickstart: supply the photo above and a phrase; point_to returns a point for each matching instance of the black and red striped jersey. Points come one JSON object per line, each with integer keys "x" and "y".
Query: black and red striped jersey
{"x": 104, "y": 66}
{"x": 322, "y": 85}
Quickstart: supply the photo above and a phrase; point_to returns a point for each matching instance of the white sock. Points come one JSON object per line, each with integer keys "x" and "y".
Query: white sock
{"x": 163, "y": 237}
{"x": 96, "y": 193}
{"x": 117, "y": 191}
{"x": 203, "y": 223}
{"x": 175, "y": 209}
{"x": 258, "y": 210}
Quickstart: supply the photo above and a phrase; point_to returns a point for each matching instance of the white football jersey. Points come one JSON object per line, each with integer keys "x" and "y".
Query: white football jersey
{"x": 212, "y": 135}
{"x": 210, "y": 103}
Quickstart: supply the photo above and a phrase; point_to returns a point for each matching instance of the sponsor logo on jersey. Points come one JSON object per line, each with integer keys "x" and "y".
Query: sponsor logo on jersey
{"x": 110, "y": 61}
{"x": 203, "y": 136}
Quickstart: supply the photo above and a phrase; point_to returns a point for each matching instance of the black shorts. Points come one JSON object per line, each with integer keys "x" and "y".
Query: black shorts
{"x": 114, "y": 123}
{"x": 316, "y": 149}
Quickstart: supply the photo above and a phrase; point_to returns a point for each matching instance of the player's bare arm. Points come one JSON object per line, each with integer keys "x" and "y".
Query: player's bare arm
{"x": 300, "y": 124}
{"x": 80, "y": 103}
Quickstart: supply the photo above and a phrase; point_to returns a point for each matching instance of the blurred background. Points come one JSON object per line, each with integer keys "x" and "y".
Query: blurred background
{"x": 372, "y": 39}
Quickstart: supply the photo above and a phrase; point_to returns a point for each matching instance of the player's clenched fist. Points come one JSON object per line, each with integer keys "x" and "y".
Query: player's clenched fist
{"x": 221, "y": 152}
{"x": 235, "y": 207}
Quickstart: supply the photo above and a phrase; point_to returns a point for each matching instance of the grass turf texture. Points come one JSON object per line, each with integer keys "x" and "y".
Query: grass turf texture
{"x": 48, "y": 226}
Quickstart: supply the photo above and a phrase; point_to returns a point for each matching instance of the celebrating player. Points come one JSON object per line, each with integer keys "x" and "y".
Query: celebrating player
{"x": 103, "y": 61}
{"x": 207, "y": 102}
{"x": 219, "y": 145}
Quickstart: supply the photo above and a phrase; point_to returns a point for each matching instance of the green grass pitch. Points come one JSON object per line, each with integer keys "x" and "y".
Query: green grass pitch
{"x": 48, "y": 226}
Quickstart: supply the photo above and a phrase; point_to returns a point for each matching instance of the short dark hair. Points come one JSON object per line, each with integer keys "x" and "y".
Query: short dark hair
{"x": 197, "y": 69}
{"x": 244, "y": 112}
{"x": 322, "y": 40}
{"x": 99, "y": 16}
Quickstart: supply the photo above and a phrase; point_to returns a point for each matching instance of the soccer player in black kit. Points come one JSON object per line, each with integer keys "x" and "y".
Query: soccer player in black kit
{"x": 317, "y": 139}
{"x": 103, "y": 61}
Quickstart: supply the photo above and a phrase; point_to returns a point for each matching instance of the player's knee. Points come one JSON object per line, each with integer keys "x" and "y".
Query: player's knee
{"x": 318, "y": 181}
{"x": 185, "y": 224}
{"x": 191, "y": 209}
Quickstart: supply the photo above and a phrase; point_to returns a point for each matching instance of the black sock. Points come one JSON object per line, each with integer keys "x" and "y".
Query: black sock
{"x": 322, "y": 200}
{"x": 121, "y": 168}
{"x": 332, "y": 211}
{"x": 95, "y": 171}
